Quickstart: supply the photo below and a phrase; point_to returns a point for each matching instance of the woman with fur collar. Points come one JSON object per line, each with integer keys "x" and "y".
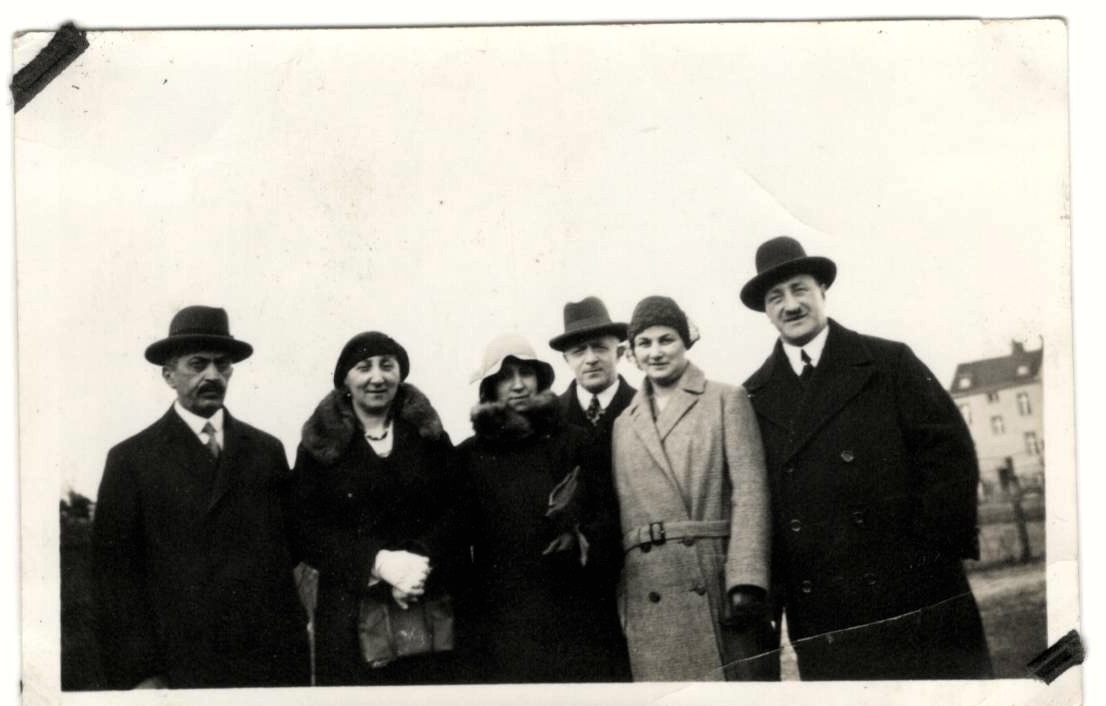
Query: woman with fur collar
{"x": 373, "y": 501}
{"x": 535, "y": 610}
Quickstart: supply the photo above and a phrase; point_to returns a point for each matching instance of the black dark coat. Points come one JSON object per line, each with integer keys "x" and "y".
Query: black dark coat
{"x": 873, "y": 476}
{"x": 350, "y": 504}
{"x": 607, "y": 515}
{"x": 535, "y": 618}
{"x": 192, "y": 567}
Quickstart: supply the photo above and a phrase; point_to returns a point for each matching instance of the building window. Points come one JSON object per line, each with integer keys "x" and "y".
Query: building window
{"x": 1023, "y": 404}
{"x": 992, "y": 396}
{"x": 997, "y": 426}
{"x": 1023, "y": 370}
{"x": 964, "y": 382}
{"x": 966, "y": 410}
{"x": 1031, "y": 446}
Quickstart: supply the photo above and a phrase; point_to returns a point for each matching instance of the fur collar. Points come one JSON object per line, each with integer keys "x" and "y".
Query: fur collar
{"x": 331, "y": 427}
{"x": 497, "y": 421}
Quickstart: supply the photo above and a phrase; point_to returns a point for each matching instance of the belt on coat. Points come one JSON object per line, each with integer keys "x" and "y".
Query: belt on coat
{"x": 659, "y": 532}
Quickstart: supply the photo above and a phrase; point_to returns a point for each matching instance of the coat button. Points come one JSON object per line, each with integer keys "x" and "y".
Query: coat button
{"x": 847, "y": 456}
{"x": 858, "y": 518}
{"x": 796, "y": 525}
{"x": 870, "y": 579}
{"x": 699, "y": 588}
{"x": 806, "y": 586}
{"x": 654, "y": 597}
{"x": 687, "y": 541}
{"x": 790, "y": 470}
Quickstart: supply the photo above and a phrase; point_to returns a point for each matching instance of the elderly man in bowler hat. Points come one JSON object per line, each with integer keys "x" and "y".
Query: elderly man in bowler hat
{"x": 191, "y": 563}
{"x": 873, "y": 478}
{"x": 592, "y": 345}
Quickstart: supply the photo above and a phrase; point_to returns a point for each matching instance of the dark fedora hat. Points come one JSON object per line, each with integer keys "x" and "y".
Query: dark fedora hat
{"x": 196, "y": 328}
{"x": 778, "y": 259}
{"x": 586, "y": 318}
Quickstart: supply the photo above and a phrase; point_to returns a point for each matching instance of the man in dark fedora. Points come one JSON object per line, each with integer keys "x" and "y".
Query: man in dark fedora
{"x": 191, "y": 562}
{"x": 873, "y": 477}
{"x": 592, "y": 345}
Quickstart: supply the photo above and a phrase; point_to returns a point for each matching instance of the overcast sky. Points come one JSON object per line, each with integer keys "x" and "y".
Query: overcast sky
{"x": 447, "y": 185}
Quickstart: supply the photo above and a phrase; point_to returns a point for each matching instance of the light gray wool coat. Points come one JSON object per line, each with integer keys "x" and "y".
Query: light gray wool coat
{"x": 701, "y": 460}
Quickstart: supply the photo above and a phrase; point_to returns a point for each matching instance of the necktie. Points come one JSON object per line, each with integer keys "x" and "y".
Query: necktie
{"x": 594, "y": 411}
{"x": 211, "y": 444}
{"x": 808, "y": 369}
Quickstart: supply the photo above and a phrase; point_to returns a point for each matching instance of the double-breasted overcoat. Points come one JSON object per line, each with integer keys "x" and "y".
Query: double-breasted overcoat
{"x": 191, "y": 561}
{"x": 697, "y": 470}
{"x": 873, "y": 476}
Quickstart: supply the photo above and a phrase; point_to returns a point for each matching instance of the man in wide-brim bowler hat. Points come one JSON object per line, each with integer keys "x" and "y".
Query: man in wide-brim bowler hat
{"x": 873, "y": 479}
{"x": 192, "y": 568}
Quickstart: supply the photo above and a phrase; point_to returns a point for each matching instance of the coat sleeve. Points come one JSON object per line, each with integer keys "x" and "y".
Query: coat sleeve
{"x": 601, "y": 524}
{"x": 447, "y": 537}
{"x": 941, "y": 456}
{"x": 339, "y": 552}
{"x": 125, "y": 619}
{"x": 750, "y": 523}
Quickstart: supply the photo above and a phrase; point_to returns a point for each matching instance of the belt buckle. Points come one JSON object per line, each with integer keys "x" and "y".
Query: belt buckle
{"x": 656, "y": 532}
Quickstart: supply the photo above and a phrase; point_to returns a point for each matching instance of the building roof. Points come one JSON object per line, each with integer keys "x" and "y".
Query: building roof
{"x": 1018, "y": 368}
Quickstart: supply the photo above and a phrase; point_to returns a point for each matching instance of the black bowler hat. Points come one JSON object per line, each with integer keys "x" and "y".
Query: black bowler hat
{"x": 584, "y": 319}
{"x": 198, "y": 328}
{"x": 778, "y": 259}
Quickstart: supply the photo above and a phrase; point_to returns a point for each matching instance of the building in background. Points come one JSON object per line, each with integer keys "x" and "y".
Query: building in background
{"x": 1001, "y": 400}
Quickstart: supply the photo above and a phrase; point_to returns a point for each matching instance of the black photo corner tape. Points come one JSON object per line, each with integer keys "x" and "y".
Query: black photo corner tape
{"x": 1064, "y": 654}
{"x": 66, "y": 45}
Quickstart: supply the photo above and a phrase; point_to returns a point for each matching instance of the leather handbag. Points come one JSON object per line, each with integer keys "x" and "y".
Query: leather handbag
{"x": 388, "y": 632}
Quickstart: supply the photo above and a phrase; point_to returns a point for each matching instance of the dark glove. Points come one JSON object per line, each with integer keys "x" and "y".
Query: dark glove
{"x": 748, "y": 607}
{"x": 565, "y": 503}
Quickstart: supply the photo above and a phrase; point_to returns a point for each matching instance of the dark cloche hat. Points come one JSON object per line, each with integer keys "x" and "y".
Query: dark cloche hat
{"x": 366, "y": 345}
{"x": 196, "y": 328}
{"x": 778, "y": 259}
{"x": 585, "y": 318}
{"x": 658, "y": 310}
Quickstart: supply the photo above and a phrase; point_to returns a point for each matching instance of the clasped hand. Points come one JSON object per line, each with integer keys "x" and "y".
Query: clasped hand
{"x": 405, "y": 571}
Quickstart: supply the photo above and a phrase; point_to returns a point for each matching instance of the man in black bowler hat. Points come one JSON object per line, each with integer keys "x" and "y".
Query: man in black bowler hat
{"x": 191, "y": 563}
{"x": 873, "y": 478}
{"x": 592, "y": 345}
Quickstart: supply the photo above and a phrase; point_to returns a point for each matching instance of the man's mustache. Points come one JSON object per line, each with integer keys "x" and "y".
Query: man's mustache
{"x": 211, "y": 387}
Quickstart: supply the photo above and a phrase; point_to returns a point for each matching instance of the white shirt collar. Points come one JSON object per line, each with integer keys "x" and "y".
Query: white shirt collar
{"x": 605, "y": 397}
{"x": 196, "y": 423}
{"x": 813, "y": 349}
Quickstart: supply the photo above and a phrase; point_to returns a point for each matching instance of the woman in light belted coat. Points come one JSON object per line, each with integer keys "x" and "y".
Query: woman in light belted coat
{"x": 689, "y": 471}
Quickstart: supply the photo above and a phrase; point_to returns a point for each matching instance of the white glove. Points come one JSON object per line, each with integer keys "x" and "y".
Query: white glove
{"x": 403, "y": 570}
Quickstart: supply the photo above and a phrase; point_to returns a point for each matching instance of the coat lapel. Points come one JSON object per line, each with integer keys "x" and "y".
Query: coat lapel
{"x": 845, "y": 368}
{"x": 234, "y": 439}
{"x": 765, "y": 391}
{"x": 641, "y": 417}
{"x": 184, "y": 462}
{"x": 691, "y": 386}
{"x": 570, "y": 408}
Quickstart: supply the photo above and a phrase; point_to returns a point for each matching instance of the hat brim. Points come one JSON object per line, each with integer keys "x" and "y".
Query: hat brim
{"x": 821, "y": 268}
{"x": 564, "y": 341}
{"x": 545, "y": 371}
{"x": 160, "y": 352}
